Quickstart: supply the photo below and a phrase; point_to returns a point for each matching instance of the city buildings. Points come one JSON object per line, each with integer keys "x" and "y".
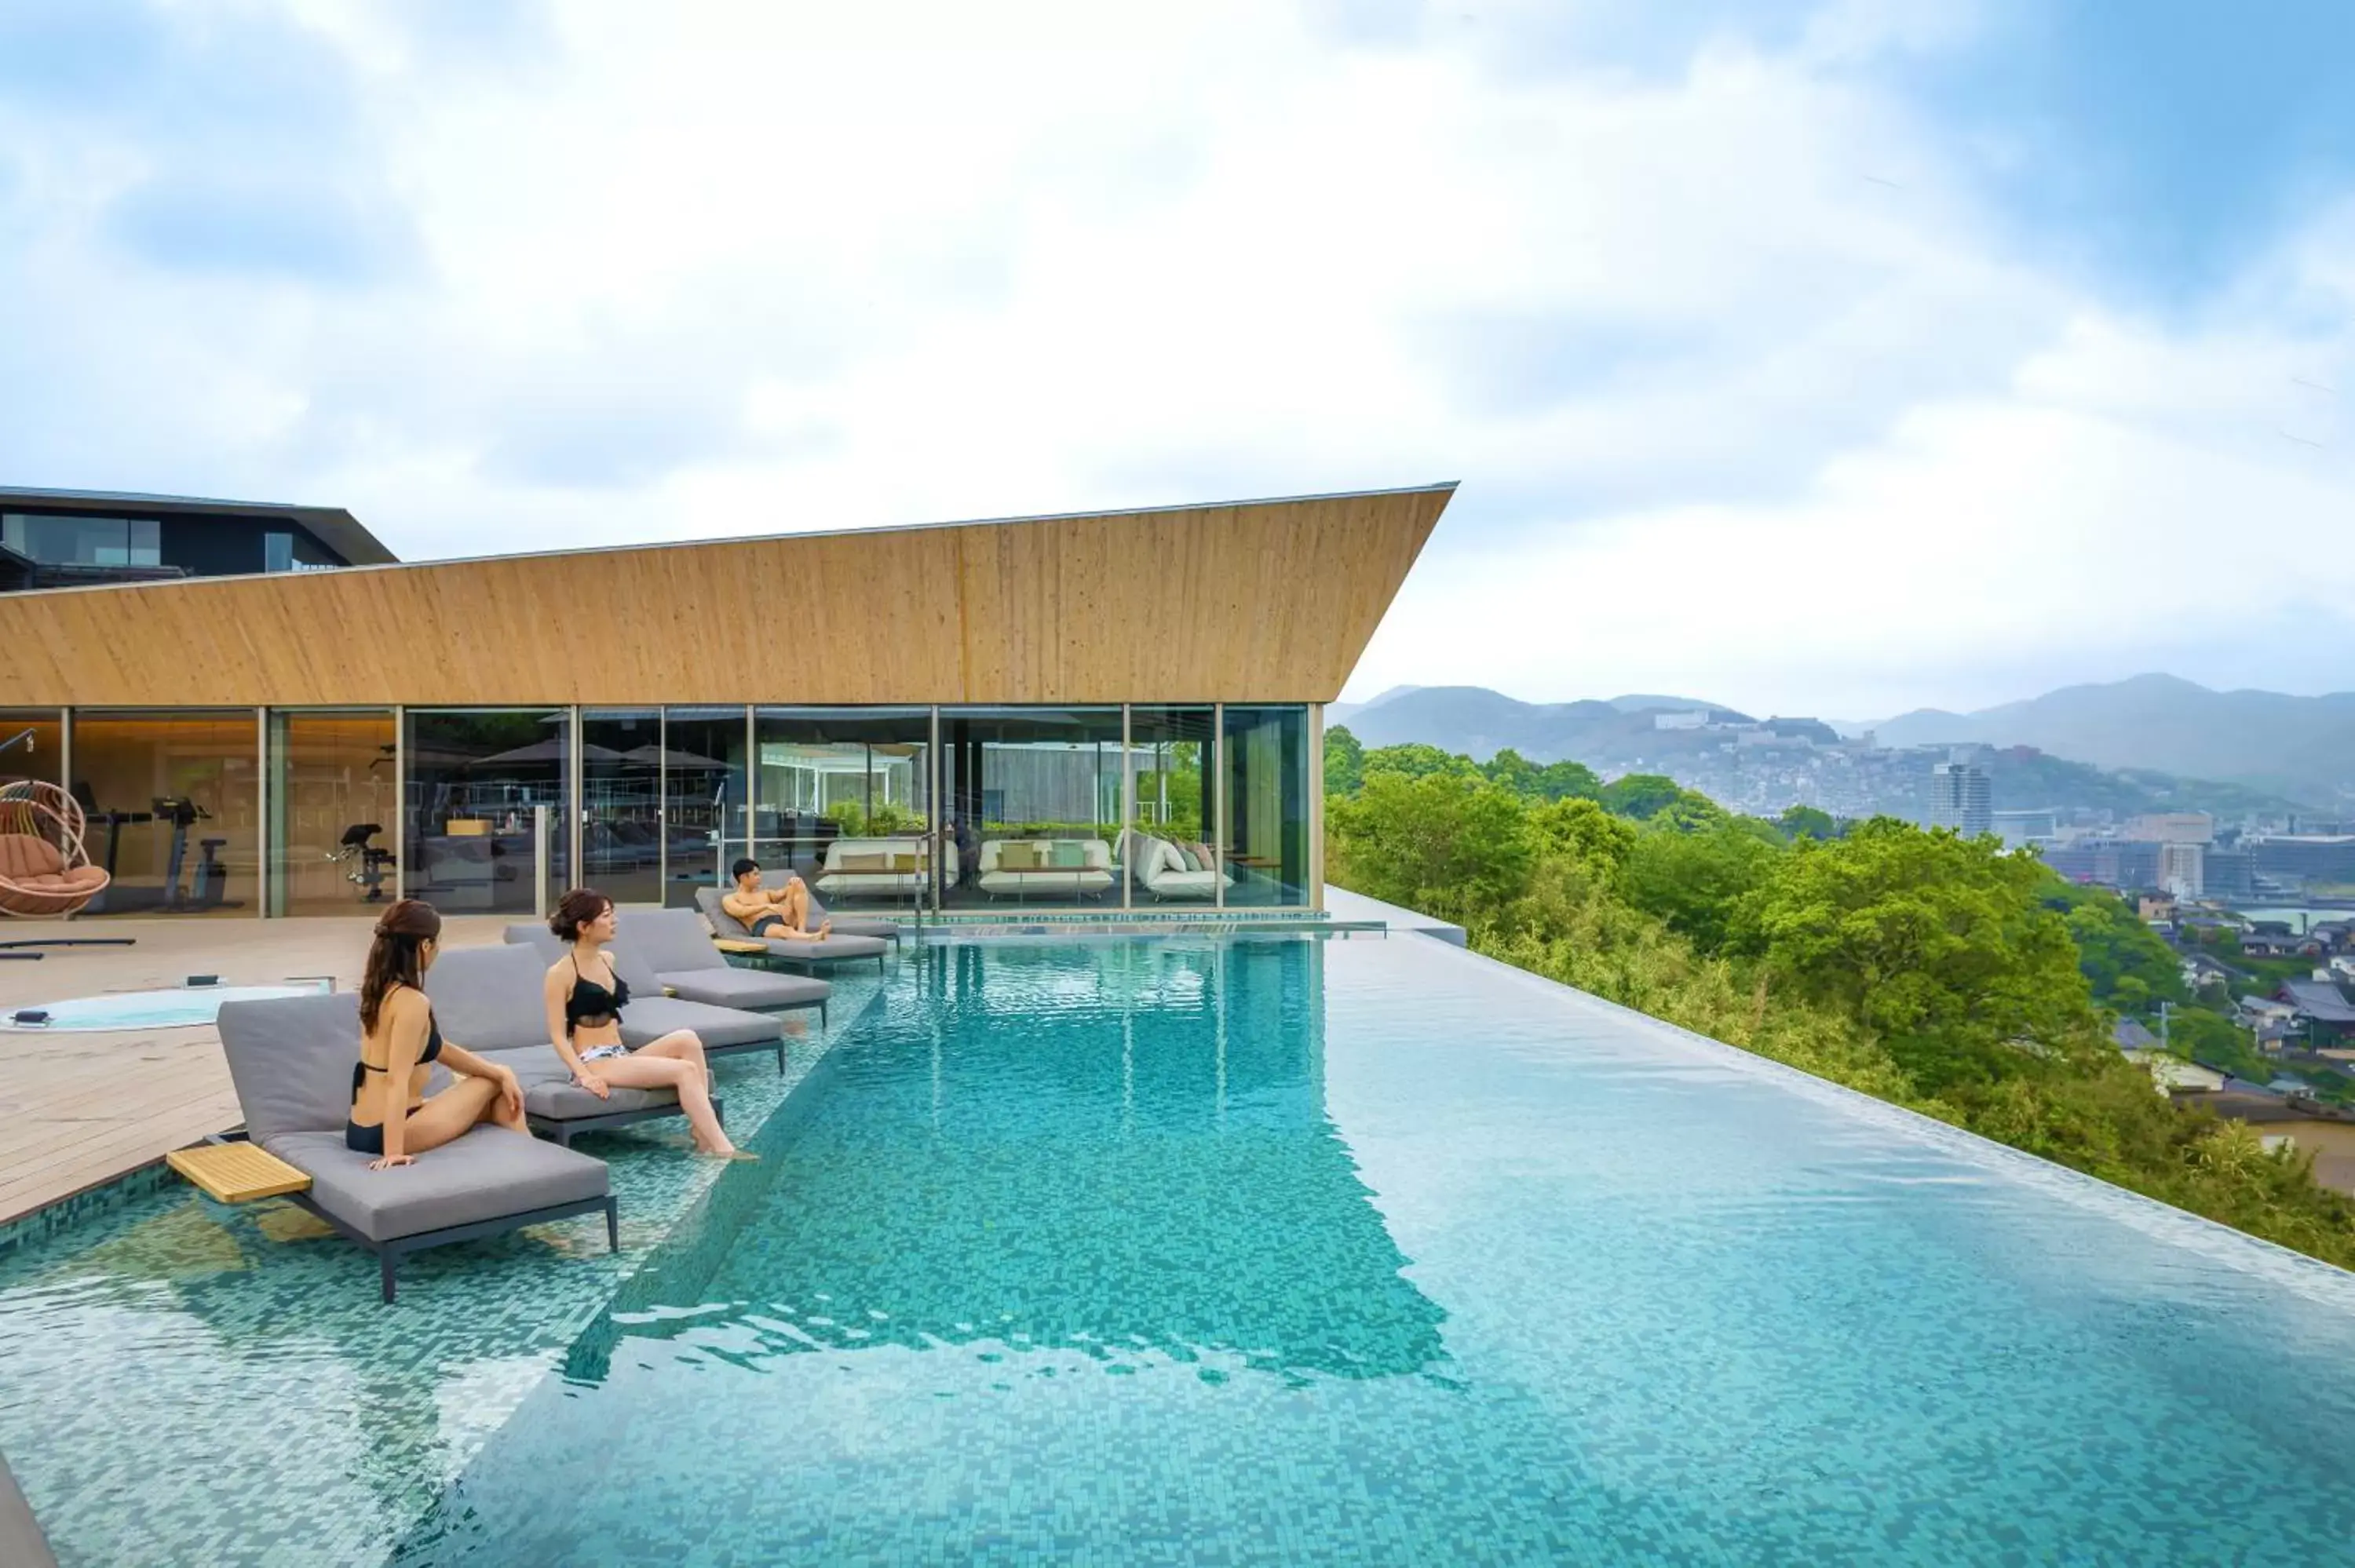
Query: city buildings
{"x": 949, "y": 717}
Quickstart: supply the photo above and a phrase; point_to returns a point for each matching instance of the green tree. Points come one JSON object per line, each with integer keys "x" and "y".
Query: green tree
{"x": 2128, "y": 965}
{"x": 1645, "y": 795}
{"x": 1807, "y": 822}
{"x": 1417, "y": 760}
{"x": 1695, "y": 878}
{"x": 1578, "y": 829}
{"x": 1448, "y": 843}
{"x": 1942, "y": 946}
{"x": 1344, "y": 761}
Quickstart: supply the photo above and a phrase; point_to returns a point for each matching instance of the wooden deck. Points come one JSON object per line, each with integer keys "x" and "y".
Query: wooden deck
{"x": 80, "y": 1109}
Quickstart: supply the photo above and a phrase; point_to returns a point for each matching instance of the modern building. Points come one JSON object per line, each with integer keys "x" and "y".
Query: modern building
{"x": 2131, "y": 864}
{"x": 2229, "y": 874}
{"x": 2018, "y": 828}
{"x": 2172, "y": 828}
{"x": 1093, "y": 713}
{"x": 1960, "y": 798}
{"x": 2305, "y": 860}
{"x": 2182, "y": 867}
{"x": 66, "y": 538}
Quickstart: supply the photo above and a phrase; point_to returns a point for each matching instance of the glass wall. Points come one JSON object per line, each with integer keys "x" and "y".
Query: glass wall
{"x": 173, "y": 800}
{"x": 1266, "y": 799}
{"x": 31, "y": 745}
{"x": 479, "y": 782}
{"x": 1168, "y": 852}
{"x": 843, "y": 796}
{"x": 706, "y": 812}
{"x": 621, "y": 803}
{"x": 334, "y": 789}
{"x": 1034, "y": 805}
{"x": 83, "y": 541}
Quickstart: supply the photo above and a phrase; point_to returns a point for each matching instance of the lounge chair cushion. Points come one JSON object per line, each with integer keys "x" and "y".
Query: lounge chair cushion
{"x": 627, "y": 962}
{"x": 673, "y": 940}
{"x": 850, "y": 924}
{"x": 836, "y": 948}
{"x": 549, "y": 1091}
{"x": 488, "y": 998}
{"x": 486, "y": 1174}
{"x": 648, "y": 1018}
{"x": 290, "y": 1062}
{"x": 751, "y": 988}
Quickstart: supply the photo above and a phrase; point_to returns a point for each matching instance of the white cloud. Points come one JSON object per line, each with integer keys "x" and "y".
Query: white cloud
{"x": 1746, "y": 394}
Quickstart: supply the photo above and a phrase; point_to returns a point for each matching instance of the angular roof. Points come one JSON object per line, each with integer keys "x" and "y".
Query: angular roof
{"x": 331, "y": 525}
{"x": 1248, "y": 602}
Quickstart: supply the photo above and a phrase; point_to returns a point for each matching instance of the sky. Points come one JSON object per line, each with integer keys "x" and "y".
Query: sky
{"x": 1837, "y": 357}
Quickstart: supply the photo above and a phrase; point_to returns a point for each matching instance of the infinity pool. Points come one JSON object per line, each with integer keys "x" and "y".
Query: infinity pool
{"x": 1377, "y": 1252}
{"x": 1235, "y": 1251}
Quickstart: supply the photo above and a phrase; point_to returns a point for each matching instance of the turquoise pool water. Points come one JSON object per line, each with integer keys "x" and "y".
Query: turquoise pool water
{"x": 1374, "y": 1252}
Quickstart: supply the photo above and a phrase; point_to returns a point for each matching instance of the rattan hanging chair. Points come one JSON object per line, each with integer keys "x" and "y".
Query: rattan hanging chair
{"x": 45, "y": 873}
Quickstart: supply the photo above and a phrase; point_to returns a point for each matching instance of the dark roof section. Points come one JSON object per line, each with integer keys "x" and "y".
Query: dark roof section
{"x": 331, "y": 525}
{"x": 2320, "y": 1000}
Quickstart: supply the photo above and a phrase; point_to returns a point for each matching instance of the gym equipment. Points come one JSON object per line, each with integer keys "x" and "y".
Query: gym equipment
{"x": 370, "y": 865}
{"x": 209, "y": 876}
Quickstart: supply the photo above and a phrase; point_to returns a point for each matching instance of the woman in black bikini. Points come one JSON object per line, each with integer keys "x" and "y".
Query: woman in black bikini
{"x": 390, "y": 1117}
{"x": 585, "y": 998}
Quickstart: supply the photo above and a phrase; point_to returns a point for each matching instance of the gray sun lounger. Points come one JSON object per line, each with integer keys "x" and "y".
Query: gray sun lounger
{"x": 853, "y": 925}
{"x": 291, "y": 1061}
{"x": 489, "y": 1001}
{"x": 835, "y": 950}
{"x": 675, "y": 944}
{"x": 724, "y": 1031}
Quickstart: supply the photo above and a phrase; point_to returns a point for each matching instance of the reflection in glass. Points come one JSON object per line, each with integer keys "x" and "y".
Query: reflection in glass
{"x": 842, "y": 796}
{"x": 334, "y": 791}
{"x": 1169, "y": 851}
{"x": 621, "y": 803}
{"x": 1267, "y": 805}
{"x": 705, "y": 816}
{"x": 480, "y": 781}
{"x": 31, "y": 745}
{"x": 1034, "y": 804}
{"x": 171, "y": 800}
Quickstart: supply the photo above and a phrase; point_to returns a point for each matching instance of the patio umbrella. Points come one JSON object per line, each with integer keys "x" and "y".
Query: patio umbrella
{"x": 670, "y": 756}
{"x": 549, "y": 750}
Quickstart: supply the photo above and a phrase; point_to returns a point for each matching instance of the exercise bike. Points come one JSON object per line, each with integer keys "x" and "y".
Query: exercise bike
{"x": 370, "y": 865}
{"x": 210, "y": 876}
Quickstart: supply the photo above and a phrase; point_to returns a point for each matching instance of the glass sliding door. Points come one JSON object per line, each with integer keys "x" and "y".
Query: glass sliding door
{"x": 1034, "y": 805}
{"x": 32, "y": 746}
{"x": 843, "y": 798}
{"x": 706, "y": 818}
{"x": 1266, "y": 785}
{"x": 487, "y": 795}
{"x": 1167, "y": 851}
{"x": 621, "y": 803}
{"x": 173, "y": 801}
{"x": 334, "y": 792}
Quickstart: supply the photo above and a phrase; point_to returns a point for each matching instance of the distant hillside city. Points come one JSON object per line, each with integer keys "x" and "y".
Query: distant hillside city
{"x": 2113, "y": 823}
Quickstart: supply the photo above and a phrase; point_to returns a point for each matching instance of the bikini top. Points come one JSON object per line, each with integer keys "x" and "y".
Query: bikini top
{"x": 363, "y": 1067}
{"x": 592, "y": 1005}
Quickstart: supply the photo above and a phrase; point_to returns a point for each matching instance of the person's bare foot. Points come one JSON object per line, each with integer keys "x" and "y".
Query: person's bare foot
{"x": 728, "y": 1154}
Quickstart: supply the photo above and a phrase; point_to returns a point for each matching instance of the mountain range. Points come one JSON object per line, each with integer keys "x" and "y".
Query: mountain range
{"x": 2299, "y": 747}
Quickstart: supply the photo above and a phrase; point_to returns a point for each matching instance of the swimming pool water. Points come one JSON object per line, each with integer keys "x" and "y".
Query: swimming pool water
{"x": 1374, "y": 1251}
{"x": 146, "y": 1009}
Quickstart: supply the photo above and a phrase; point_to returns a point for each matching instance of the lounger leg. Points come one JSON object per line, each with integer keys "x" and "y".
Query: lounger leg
{"x": 612, "y": 1226}
{"x": 386, "y": 1262}
{"x": 781, "y": 1058}
{"x": 821, "y": 1015}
